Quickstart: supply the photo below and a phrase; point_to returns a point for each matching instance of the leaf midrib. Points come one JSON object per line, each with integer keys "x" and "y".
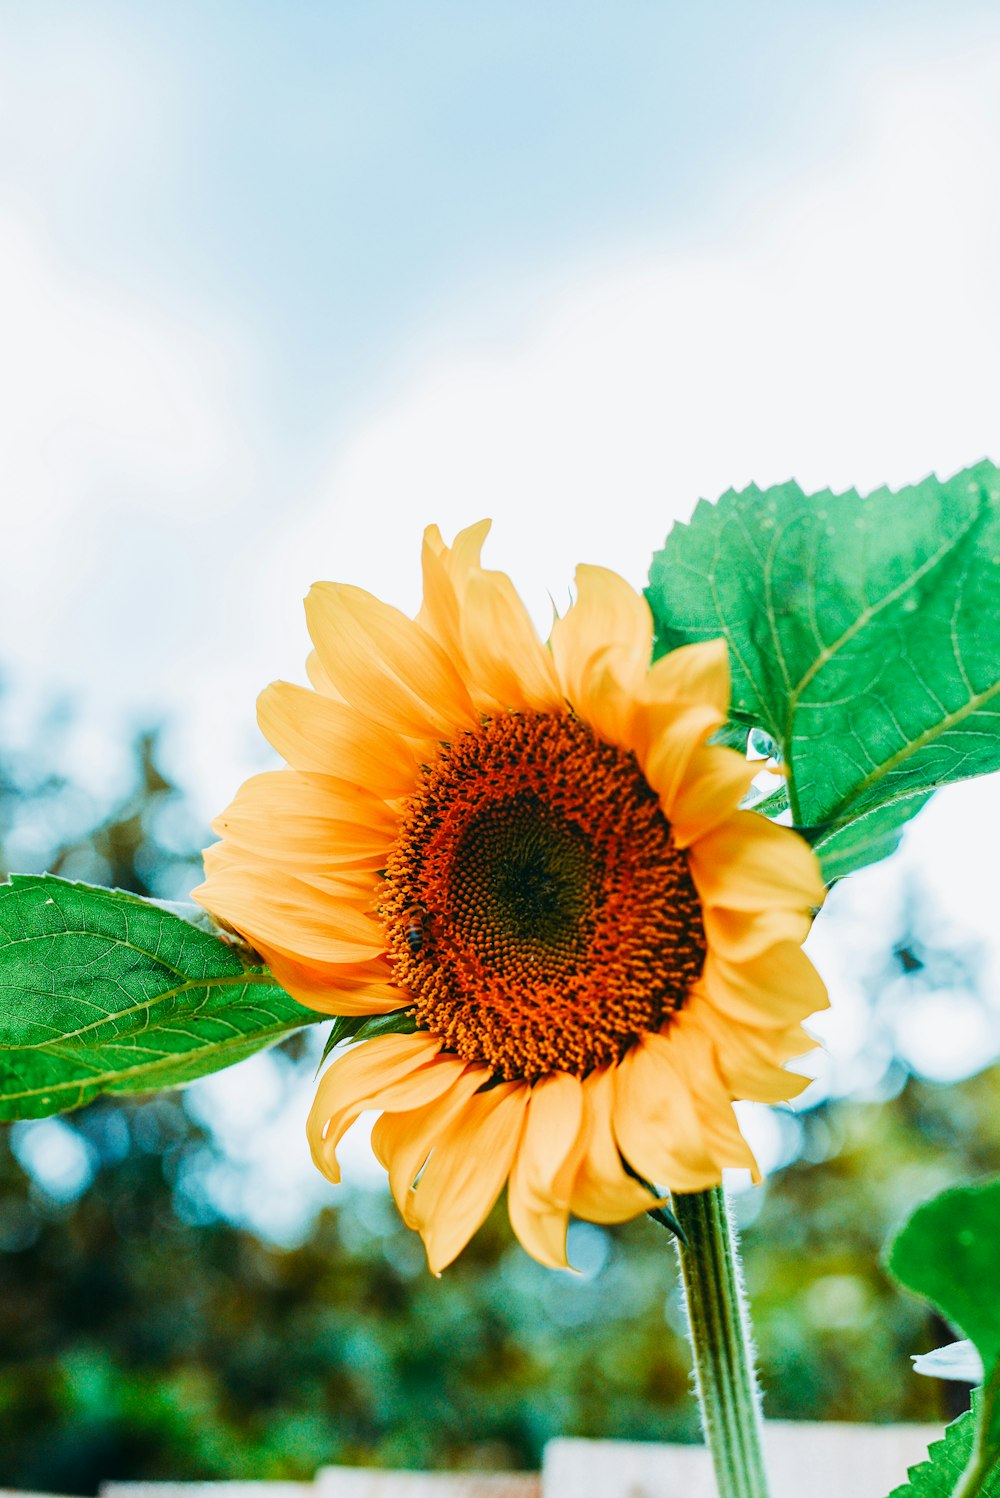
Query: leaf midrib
{"x": 841, "y": 813}
{"x": 870, "y": 612}
{"x": 828, "y": 652}
{"x": 146, "y": 1068}
{"x": 161, "y": 998}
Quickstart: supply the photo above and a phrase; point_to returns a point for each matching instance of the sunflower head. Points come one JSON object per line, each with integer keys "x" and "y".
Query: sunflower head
{"x": 535, "y": 851}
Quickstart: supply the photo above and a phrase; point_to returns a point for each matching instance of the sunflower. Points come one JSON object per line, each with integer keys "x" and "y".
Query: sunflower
{"x": 537, "y": 856}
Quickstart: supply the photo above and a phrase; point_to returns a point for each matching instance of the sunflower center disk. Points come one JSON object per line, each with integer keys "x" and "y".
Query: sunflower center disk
{"x": 535, "y": 905}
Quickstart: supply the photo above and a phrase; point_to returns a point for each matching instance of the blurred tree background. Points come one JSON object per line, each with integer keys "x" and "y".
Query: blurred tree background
{"x": 144, "y": 1334}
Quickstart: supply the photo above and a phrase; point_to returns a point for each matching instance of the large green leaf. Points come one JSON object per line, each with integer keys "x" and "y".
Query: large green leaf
{"x": 863, "y": 636}
{"x": 103, "y": 992}
{"x": 948, "y": 1253}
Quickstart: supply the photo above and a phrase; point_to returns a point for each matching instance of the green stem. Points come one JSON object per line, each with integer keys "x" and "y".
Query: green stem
{"x": 719, "y": 1329}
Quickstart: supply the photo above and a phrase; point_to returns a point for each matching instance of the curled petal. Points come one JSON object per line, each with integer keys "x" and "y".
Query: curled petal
{"x": 740, "y": 935}
{"x": 751, "y": 1061}
{"x": 392, "y": 1071}
{"x": 338, "y": 988}
{"x": 768, "y": 992}
{"x": 715, "y": 781}
{"x": 721, "y": 1129}
{"x": 447, "y": 570}
{"x": 666, "y": 737}
{"x": 695, "y": 1053}
{"x": 403, "y": 1141}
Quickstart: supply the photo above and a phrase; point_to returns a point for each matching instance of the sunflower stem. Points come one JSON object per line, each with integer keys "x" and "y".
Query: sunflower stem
{"x": 719, "y": 1329}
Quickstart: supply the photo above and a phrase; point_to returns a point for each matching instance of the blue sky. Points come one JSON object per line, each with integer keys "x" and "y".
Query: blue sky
{"x": 343, "y": 181}
{"x": 281, "y": 283}
{"x": 334, "y": 167}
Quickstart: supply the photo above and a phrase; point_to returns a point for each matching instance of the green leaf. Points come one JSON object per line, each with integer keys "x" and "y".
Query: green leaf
{"x": 733, "y": 736}
{"x": 103, "y": 992}
{"x": 947, "y": 1253}
{"x": 771, "y": 803}
{"x": 947, "y": 1460}
{"x": 862, "y": 637}
{"x": 366, "y": 1026}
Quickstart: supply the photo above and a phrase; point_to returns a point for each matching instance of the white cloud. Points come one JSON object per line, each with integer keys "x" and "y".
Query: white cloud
{"x": 122, "y": 457}
{"x": 100, "y": 397}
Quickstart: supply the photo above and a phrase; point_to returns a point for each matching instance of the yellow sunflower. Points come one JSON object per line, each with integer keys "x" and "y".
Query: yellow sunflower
{"x": 536, "y": 852}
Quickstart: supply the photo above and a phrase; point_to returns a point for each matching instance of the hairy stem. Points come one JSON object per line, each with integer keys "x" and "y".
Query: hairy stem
{"x": 719, "y": 1330}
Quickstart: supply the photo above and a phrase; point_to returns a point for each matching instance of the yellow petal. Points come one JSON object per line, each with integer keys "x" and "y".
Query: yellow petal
{"x": 603, "y": 1191}
{"x": 609, "y": 623}
{"x": 357, "y": 887}
{"x": 665, "y": 738}
{"x": 403, "y": 1141}
{"x": 302, "y": 820}
{"x": 751, "y": 1062}
{"x": 501, "y": 646}
{"x": 714, "y": 783}
{"x": 338, "y": 988}
{"x": 656, "y": 1124}
{"x": 749, "y": 863}
{"x": 446, "y": 571}
{"x": 272, "y": 908}
{"x": 541, "y": 1182}
{"x": 398, "y": 1071}
{"x": 741, "y": 935}
{"x": 606, "y": 704}
{"x": 771, "y": 991}
{"x": 692, "y": 673}
{"x": 321, "y": 683}
{"x": 312, "y": 732}
{"x": 440, "y": 611}
{"x": 724, "y": 1139}
{"x": 695, "y": 1055}
{"x": 754, "y": 1076}
{"x": 463, "y": 556}
{"x": 467, "y": 1170}
{"x": 385, "y": 665}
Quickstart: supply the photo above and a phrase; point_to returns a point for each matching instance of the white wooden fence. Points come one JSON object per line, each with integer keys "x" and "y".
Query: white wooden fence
{"x": 805, "y": 1460}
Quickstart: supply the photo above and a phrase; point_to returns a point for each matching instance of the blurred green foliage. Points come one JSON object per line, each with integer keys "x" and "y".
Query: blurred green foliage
{"x": 142, "y": 1335}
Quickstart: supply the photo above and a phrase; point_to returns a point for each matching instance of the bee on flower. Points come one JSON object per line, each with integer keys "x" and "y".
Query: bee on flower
{"x": 615, "y": 951}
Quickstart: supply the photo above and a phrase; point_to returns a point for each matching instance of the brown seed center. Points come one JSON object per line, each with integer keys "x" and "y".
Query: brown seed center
{"x": 534, "y": 903}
